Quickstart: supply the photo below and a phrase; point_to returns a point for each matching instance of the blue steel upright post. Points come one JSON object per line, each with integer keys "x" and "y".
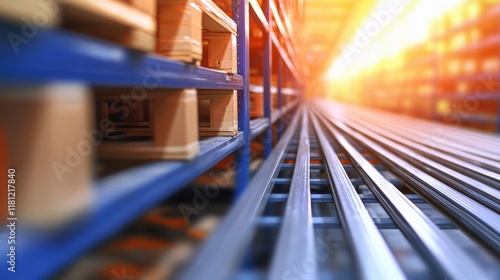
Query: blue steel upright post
{"x": 241, "y": 17}
{"x": 266, "y": 72}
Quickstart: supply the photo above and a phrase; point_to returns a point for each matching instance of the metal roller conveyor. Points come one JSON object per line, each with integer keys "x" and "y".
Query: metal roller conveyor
{"x": 412, "y": 221}
{"x": 347, "y": 195}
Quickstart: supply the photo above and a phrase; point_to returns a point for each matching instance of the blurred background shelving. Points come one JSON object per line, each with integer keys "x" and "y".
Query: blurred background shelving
{"x": 450, "y": 74}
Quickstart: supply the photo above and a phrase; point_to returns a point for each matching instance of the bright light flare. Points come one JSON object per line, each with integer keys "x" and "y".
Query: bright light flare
{"x": 413, "y": 25}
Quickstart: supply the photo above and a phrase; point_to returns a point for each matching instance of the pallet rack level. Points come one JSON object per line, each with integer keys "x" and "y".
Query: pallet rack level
{"x": 118, "y": 198}
{"x": 62, "y": 56}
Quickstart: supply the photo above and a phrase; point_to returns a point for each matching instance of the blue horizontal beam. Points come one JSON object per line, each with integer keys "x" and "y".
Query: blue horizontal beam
{"x": 257, "y": 126}
{"x": 277, "y": 115}
{"x": 334, "y": 222}
{"x": 327, "y": 197}
{"x": 119, "y": 199}
{"x": 56, "y": 55}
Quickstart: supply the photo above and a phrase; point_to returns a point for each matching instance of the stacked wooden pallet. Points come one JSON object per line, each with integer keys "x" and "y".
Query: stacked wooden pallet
{"x": 161, "y": 125}
{"x": 46, "y": 138}
{"x": 197, "y": 32}
{"x": 166, "y": 124}
{"x": 218, "y": 112}
{"x": 128, "y": 22}
{"x": 257, "y": 98}
{"x": 50, "y": 130}
{"x": 257, "y": 102}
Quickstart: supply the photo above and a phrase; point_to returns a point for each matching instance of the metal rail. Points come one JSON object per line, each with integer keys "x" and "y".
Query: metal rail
{"x": 296, "y": 232}
{"x": 480, "y": 141}
{"x": 482, "y": 222}
{"x": 234, "y": 234}
{"x": 483, "y": 193}
{"x": 430, "y": 241}
{"x": 435, "y": 142}
{"x": 373, "y": 257}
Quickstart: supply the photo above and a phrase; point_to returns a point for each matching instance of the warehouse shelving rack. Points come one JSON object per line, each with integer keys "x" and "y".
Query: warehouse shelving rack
{"x": 58, "y": 55}
{"x": 484, "y": 90}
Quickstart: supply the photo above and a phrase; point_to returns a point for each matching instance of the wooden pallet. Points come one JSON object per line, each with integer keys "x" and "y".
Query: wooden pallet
{"x": 197, "y": 31}
{"x": 257, "y": 104}
{"x": 256, "y": 96}
{"x": 128, "y": 22}
{"x": 288, "y": 99}
{"x": 179, "y": 30}
{"x": 163, "y": 126}
{"x": 218, "y": 112}
{"x": 48, "y": 132}
{"x": 28, "y": 10}
{"x": 258, "y": 80}
{"x": 219, "y": 51}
